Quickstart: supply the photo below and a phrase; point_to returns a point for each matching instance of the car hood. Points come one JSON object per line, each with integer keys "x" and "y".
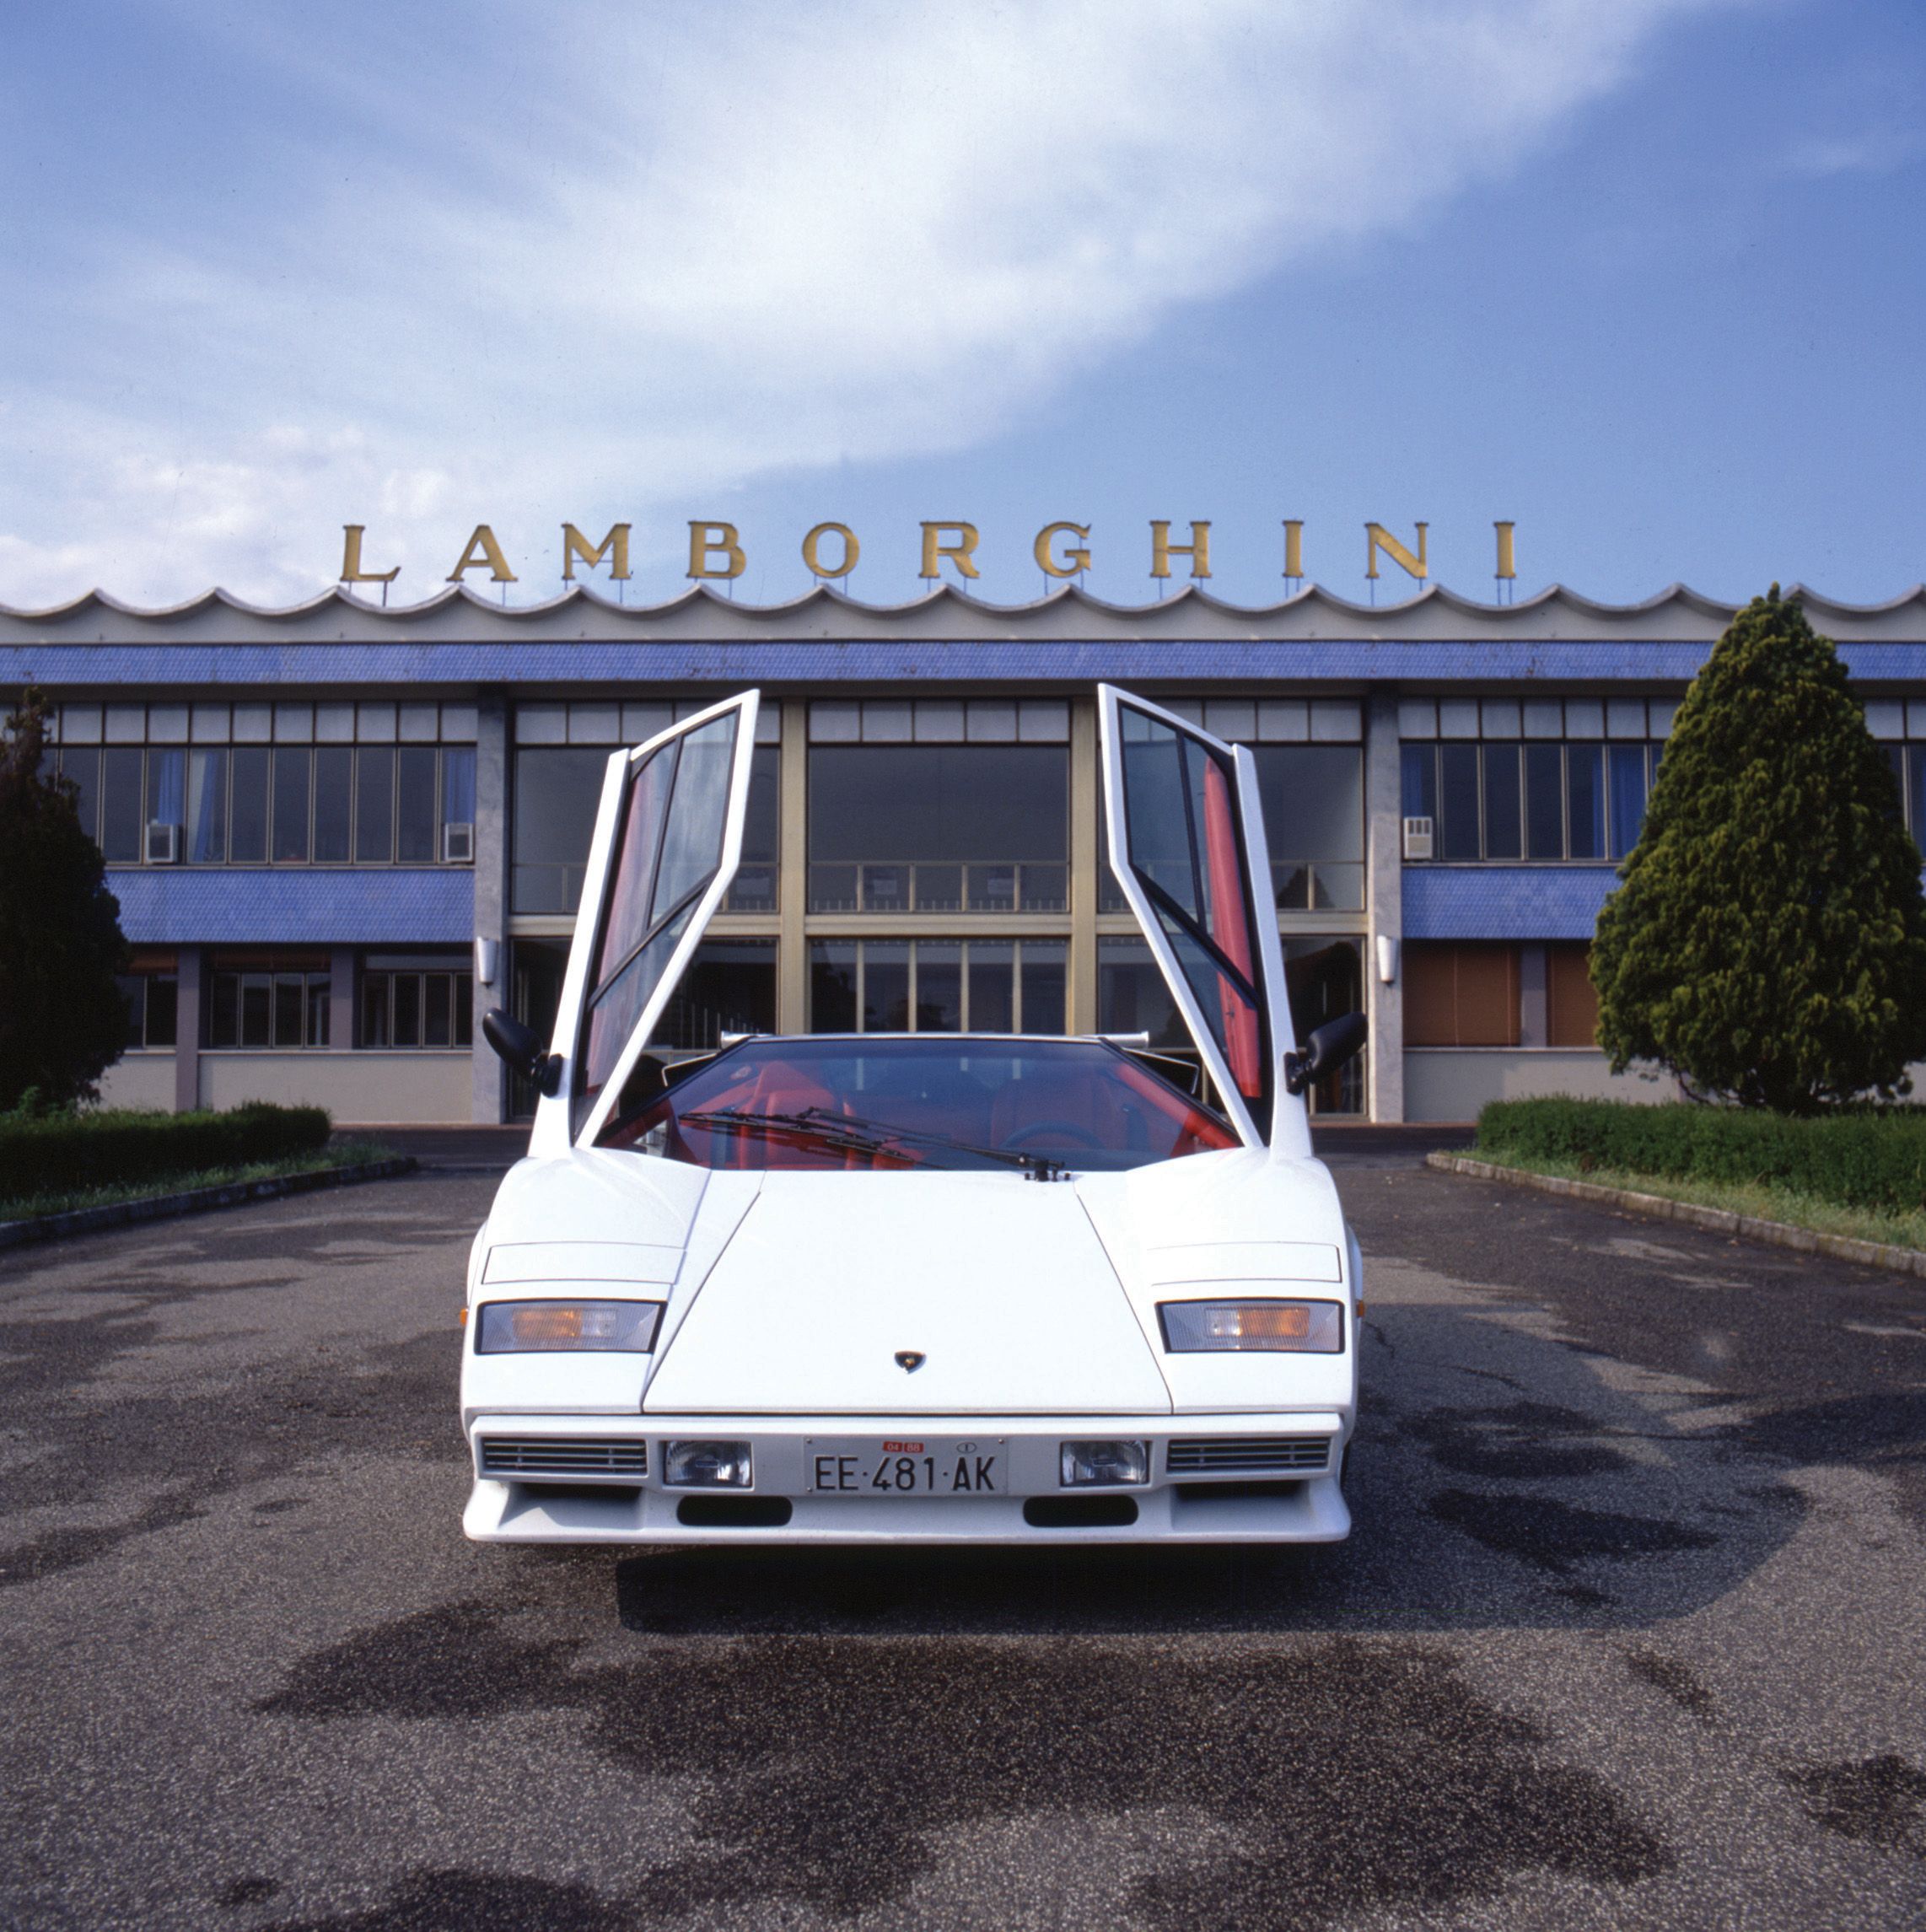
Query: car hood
{"x": 998, "y": 1282}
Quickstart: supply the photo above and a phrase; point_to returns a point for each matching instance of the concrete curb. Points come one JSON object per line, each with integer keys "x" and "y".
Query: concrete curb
{"x": 195, "y": 1201}
{"x": 1715, "y": 1220}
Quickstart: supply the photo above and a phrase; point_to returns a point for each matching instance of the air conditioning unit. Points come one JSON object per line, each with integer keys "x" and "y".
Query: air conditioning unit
{"x": 1418, "y": 838}
{"x": 458, "y": 844}
{"x": 163, "y": 843}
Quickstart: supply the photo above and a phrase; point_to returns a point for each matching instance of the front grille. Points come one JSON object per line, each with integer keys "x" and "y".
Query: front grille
{"x": 564, "y": 1455}
{"x": 1194, "y": 1454}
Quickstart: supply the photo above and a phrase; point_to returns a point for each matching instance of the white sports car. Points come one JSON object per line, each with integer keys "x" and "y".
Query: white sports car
{"x": 922, "y": 1288}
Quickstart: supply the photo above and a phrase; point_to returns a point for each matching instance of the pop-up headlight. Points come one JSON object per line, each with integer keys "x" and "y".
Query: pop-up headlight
{"x": 707, "y": 1466}
{"x": 1103, "y": 1465}
{"x": 1283, "y": 1327}
{"x": 542, "y": 1327}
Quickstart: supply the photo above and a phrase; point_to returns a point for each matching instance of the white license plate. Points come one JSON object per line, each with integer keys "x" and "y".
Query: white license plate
{"x": 905, "y": 1466}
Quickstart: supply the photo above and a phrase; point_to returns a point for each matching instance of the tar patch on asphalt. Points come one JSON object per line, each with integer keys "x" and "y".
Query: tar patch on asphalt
{"x": 1336, "y": 1776}
{"x": 1527, "y": 1441}
{"x": 1674, "y": 1680}
{"x": 1555, "y": 1535}
{"x": 442, "y": 1901}
{"x": 1877, "y": 1800}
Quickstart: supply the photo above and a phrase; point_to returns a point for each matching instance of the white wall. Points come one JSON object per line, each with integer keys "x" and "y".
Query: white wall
{"x": 1453, "y": 1083}
{"x": 395, "y": 1087}
{"x": 142, "y": 1080}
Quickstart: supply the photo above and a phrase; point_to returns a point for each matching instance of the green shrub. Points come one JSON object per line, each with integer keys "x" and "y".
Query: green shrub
{"x": 1768, "y": 945}
{"x": 60, "y": 1153}
{"x": 1857, "y": 1159}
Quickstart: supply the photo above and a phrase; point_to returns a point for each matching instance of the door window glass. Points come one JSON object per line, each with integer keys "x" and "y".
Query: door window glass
{"x": 698, "y": 817}
{"x": 674, "y": 819}
{"x": 1183, "y": 841}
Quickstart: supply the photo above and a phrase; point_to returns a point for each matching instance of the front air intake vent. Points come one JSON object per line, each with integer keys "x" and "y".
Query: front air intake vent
{"x": 564, "y": 1456}
{"x": 1248, "y": 1454}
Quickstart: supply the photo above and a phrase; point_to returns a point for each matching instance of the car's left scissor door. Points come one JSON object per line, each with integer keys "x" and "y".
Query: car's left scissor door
{"x": 1187, "y": 847}
{"x": 667, "y": 838}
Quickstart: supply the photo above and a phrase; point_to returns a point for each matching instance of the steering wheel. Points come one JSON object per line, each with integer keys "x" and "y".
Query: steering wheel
{"x": 1081, "y": 1135}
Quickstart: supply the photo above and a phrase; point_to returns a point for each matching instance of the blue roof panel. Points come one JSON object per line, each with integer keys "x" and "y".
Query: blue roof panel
{"x": 270, "y": 906}
{"x": 1504, "y": 901}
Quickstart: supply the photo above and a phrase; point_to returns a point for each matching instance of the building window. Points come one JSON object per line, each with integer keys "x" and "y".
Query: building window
{"x": 417, "y": 1001}
{"x": 1460, "y": 994}
{"x": 283, "y": 784}
{"x": 1314, "y": 823}
{"x": 1571, "y": 1000}
{"x": 754, "y": 887}
{"x": 1548, "y": 779}
{"x": 1310, "y": 779}
{"x": 729, "y": 987}
{"x": 152, "y": 997}
{"x": 1502, "y": 800}
{"x": 938, "y": 986}
{"x": 1132, "y": 997}
{"x": 267, "y": 1005}
{"x": 561, "y": 756}
{"x": 938, "y": 828}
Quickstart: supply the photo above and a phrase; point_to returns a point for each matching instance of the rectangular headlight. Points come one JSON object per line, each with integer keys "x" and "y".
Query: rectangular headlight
{"x": 1284, "y": 1327}
{"x": 707, "y": 1466}
{"x": 541, "y": 1327}
{"x": 1103, "y": 1465}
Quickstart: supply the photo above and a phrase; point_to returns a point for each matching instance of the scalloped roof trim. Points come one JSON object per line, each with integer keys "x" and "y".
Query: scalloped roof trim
{"x": 1312, "y": 595}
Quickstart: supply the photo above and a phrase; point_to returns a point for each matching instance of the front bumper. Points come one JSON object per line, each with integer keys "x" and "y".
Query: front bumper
{"x": 594, "y": 1492}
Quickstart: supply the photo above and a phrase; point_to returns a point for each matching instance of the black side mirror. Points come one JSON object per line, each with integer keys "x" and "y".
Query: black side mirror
{"x": 1326, "y": 1050}
{"x": 521, "y": 1051}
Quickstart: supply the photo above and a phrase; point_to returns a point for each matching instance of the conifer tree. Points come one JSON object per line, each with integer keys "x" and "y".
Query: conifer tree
{"x": 1768, "y": 942}
{"x": 62, "y": 1020}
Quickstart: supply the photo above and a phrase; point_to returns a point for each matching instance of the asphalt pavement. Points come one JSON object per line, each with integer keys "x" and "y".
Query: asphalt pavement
{"x": 1629, "y": 1634}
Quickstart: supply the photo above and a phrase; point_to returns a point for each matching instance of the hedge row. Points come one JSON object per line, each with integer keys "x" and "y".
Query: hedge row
{"x": 1857, "y": 1159}
{"x": 58, "y": 1154}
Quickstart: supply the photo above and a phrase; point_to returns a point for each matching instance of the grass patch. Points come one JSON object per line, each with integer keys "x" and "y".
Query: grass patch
{"x": 1757, "y": 1199}
{"x": 340, "y": 1153}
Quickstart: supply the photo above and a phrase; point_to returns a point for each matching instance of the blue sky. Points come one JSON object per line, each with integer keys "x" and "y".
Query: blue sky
{"x": 1645, "y": 278}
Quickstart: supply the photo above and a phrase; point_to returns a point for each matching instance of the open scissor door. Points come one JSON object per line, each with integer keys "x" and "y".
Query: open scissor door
{"x": 1187, "y": 843}
{"x": 667, "y": 838}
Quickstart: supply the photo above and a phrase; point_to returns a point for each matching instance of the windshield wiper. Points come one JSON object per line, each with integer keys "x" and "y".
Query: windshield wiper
{"x": 850, "y": 1134}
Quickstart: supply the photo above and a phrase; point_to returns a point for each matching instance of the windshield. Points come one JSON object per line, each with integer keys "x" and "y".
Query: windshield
{"x": 916, "y": 1101}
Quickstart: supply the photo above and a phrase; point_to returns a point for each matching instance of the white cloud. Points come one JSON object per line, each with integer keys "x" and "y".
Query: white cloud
{"x": 1879, "y": 149}
{"x": 672, "y": 252}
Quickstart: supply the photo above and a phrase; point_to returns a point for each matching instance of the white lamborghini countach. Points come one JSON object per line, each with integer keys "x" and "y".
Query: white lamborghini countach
{"x": 916, "y": 1288}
